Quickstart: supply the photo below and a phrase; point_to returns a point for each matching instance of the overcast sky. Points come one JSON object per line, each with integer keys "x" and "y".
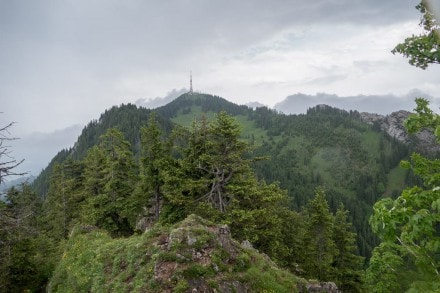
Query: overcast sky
{"x": 62, "y": 63}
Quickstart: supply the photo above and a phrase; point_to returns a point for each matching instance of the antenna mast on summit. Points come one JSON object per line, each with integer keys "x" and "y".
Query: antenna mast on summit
{"x": 190, "y": 82}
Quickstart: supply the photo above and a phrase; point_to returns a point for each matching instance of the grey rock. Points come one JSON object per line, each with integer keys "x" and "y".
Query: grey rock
{"x": 328, "y": 287}
{"x": 423, "y": 141}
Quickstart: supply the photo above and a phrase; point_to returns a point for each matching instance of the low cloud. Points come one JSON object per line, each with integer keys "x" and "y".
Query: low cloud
{"x": 380, "y": 104}
{"x": 160, "y": 101}
{"x": 37, "y": 149}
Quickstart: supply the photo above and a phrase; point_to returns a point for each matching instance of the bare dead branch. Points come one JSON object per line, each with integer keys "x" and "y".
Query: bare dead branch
{"x": 7, "y": 166}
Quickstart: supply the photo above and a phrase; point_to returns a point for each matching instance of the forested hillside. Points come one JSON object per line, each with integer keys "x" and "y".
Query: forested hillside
{"x": 209, "y": 196}
{"x": 329, "y": 147}
{"x": 299, "y": 188}
{"x": 204, "y": 170}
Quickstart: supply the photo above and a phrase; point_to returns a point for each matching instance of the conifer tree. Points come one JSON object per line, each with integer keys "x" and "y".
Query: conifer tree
{"x": 110, "y": 176}
{"x": 94, "y": 172}
{"x": 212, "y": 165}
{"x": 320, "y": 249}
{"x": 347, "y": 264}
{"x": 64, "y": 198}
{"x": 216, "y": 158}
{"x": 155, "y": 160}
{"x": 214, "y": 180}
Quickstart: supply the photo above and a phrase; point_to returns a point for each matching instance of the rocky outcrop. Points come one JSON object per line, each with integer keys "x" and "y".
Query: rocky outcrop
{"x": 321, "y": 287}
{"x": 192, "y": 256}
{"x": 423, "y": 141}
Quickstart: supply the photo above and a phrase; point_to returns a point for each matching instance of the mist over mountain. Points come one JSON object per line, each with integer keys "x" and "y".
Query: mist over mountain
{"x": 38, "y": 148}
{"x": 381, "y": 104}
{"x": 254, "y": 105}
{"x": 151, "y": 103}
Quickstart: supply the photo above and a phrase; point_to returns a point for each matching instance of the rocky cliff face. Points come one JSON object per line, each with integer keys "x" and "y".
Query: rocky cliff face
{"x": 392, "y": 124}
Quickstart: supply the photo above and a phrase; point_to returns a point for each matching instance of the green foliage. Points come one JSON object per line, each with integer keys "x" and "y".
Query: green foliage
{"x": 332, "y": 148}
{"x": 111, "y": 174}
{"x": 385, "y": 270}
{"x": 25, "y": 254}
{"x": 63, "y": 200}
{"x": 347, "y": 263}
{"x": 423, "y": 118}
{"x": 214, "y": 180}
{"x": 327, "y": 246}
{"x": 424, "y": 49}
{"x": 321, "y": 249}
{"x": 181, "y": 286}
{"x": 214, "y": 160}
{"x": 155, "y": 160}
{"x": 328, "y": 147}
{"x": 263, "y": 278}
{"x": 208, "y": 170}
{"x": 410, "y": 223}
{"x": 94, "y": 262}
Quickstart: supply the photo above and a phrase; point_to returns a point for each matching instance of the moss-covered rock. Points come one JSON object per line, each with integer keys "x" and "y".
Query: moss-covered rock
{"x": 193, "y": 254}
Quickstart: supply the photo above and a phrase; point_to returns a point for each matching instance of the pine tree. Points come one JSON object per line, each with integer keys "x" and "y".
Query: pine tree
{"x": 320, "y": 249}
{"x": 214, "y": 179}
{"x": 347, "y": 264}
{"x": 212, "y": 165}
{"x": 64, "y": 198}
{"x": 222, "y": 163}
{"x": 155, "y": 160}
{"x": 110, "y": 173}
{"x": 258, "y": 213}
{"x": 94, "y": 172}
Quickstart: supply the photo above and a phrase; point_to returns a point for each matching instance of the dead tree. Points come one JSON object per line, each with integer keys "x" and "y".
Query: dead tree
{"x": 7, "y": 162}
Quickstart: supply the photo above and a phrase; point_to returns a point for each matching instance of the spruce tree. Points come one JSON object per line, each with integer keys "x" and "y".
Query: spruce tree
{"x": 212, "y": 165}
{"x": 110, "y": 176}
{"x": 320, "y": 249}
{"x": 154, "y": 162}
{"x": 347, "y": 263}
{"x": 214, "y": 179}
{"x": 64, "y": 198}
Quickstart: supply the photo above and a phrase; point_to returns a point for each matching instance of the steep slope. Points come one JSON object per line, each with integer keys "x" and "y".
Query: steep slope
{"x": 192, "y": 256}
{"x": 423, "y": 141}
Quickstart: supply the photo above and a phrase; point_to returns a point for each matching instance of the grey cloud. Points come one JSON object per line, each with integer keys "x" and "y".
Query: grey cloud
{"x": 110, "y": 37}
{"x": 327, "y": 79}
{"x": 160, "y": 101}
{"x": 381, "y": 104}
{"x": 57, "y": 50}
{"x": 255, "y": 105}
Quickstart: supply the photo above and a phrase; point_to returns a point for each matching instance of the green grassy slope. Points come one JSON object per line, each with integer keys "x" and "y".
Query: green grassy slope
{"x": 192, "y": 255}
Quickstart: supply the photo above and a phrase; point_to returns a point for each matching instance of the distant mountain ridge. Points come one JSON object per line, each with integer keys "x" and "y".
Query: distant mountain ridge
{"x": 300, "y": 102}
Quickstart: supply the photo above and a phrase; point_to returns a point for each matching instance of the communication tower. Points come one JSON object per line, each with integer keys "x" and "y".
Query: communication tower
{"x": 190, "y": 82}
